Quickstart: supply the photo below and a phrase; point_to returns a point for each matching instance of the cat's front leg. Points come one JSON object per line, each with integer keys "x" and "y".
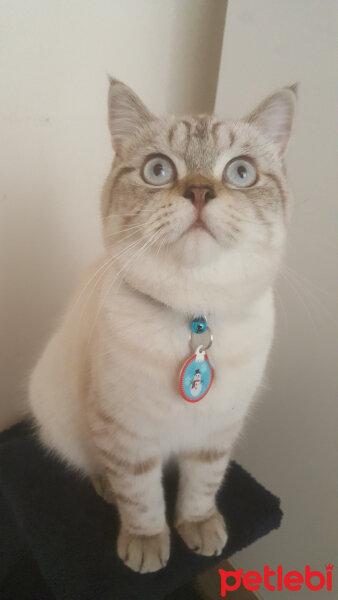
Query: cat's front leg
{"x": 198, "y": 521}
{"x": 134, "y": 474}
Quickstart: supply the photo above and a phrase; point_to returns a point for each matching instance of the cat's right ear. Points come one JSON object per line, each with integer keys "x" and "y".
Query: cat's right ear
{"x": 126, "y": 114}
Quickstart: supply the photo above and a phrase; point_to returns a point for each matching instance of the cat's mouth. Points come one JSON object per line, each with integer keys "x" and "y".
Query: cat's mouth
{"x": 199, "y": 225}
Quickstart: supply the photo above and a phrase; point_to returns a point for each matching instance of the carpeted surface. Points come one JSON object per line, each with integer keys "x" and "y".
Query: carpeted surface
{"x": 58, "y": 538}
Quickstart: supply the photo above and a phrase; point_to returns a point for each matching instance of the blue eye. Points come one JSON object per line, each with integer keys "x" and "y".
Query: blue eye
{"x": 158, "y": 170}
{"x": 240, "y": 172}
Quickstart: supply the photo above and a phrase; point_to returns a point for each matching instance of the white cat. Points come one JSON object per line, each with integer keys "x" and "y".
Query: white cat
{"x": 194, "y": 220}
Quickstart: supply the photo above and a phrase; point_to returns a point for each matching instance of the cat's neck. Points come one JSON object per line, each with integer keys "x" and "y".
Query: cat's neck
{"x": 217, "y": 289}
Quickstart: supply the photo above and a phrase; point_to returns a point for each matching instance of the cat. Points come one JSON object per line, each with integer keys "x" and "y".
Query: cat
{"x": 195, "y": 212}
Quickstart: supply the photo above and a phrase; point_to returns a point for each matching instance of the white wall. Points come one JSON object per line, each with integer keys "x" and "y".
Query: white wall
{"x": 55, "y": 147}
{"x": 291, "y": 439}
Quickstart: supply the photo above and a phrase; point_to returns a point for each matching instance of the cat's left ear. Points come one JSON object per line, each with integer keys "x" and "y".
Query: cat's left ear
{"x": 274, "y": 116}
{"x": 126, "y": 114}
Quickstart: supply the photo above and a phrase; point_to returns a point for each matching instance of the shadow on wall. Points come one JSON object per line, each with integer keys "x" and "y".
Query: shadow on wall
{"x": 56, "y": 146}
{"x": 42, "y": 252}
{"x": 200, "y": 66}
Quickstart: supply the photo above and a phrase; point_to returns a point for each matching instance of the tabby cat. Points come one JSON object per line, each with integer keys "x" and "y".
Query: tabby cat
{"x": 194, "y": 215}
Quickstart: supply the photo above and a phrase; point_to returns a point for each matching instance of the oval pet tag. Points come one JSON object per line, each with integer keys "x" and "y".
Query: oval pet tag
{"x": 196, "y": 376}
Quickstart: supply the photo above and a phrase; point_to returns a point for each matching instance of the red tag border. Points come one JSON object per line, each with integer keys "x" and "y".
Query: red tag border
{"x": 186, "y": 364}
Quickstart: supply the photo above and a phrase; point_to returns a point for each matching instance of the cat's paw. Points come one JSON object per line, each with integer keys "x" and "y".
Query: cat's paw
{"x": 206, "y": 537}
{"x": 142, "y": 553}
{"x": 102, "y": 488}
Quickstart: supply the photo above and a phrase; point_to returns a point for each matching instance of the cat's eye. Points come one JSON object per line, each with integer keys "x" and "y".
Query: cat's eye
{"x": 240, "y": 172}
{"x": 158, "y": 170}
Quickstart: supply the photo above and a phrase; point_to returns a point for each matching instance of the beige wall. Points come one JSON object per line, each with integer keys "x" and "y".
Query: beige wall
{"x": 55, "y": 147}
{"x": 291, "y": 438}
{"x": 55, "y": 152}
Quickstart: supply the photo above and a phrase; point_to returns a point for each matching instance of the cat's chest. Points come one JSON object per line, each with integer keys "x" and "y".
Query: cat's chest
{"x": 143, "y": 349}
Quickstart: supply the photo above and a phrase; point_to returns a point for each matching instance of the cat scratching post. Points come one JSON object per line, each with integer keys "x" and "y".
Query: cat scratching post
{"x": 58, "y": 538}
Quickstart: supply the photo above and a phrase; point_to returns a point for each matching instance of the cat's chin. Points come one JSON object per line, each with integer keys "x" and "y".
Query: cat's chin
{"x": 197, "y": 246}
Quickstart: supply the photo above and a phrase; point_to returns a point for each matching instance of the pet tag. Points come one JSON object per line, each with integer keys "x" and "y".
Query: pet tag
{"x": 196, "y": 376}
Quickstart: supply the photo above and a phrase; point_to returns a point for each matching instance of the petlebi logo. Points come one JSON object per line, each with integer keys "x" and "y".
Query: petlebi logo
{"x": 276, "y": 580}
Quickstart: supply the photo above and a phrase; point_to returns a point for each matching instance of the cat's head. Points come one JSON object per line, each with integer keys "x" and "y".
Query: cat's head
{"x": 197, "y": 206}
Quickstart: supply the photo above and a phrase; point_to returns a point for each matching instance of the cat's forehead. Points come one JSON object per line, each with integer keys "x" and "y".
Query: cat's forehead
{"x": 196, "y": 139}
{"x": 200, "y": 140}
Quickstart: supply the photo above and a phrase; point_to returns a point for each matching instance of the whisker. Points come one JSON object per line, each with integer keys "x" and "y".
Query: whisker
{"x": 285, "y": 318}
{"x": 154, "y": 238}
{"x": 135, "y": 227}
{"x": 88, "y": 282}
{"x": 303, "y": 303}
{"x": 301, "y": 279}
{"x": 314, "y": 298}
{"x": 155, "y": 235}
{"x": 160, "y": 246}
{"x": 131, "y": 214}
{"x": 103, "y": 269}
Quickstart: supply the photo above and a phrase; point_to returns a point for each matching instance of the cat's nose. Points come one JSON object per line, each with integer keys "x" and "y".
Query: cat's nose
{"x": 199, "y": 195}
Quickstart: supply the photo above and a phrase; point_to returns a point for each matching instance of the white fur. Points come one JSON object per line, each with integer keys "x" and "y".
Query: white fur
{"x": 105, "y": 392}
{"x": 136, "y": 347}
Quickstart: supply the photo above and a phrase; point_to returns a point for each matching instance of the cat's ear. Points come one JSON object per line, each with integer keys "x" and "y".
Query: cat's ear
{"x": 274, "y": 116}
{"x": 126, "y": 113}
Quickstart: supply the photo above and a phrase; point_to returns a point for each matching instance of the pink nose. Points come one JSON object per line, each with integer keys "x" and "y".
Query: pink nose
{"x": 199, "y": 195}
